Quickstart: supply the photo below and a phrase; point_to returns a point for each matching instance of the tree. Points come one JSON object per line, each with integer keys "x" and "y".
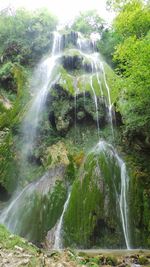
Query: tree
{"x": 116, "y": 5}
{"x": 132, "y": 57}
{"x": 26, "y": 33}
{"x": 133, "y": 19}
{"x": 88, "y": 22}
{"x": 108, "y": 42}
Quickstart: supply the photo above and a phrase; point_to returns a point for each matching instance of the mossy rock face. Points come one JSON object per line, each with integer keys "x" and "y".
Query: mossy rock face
{"x": 139, "y": 199}
{"x": 72, "y": 63}
{"x": 64, "y": 109}
{"x": 93, "y": 216}
{"x": 76, "y": 62}
{"x": 38, "y": 206}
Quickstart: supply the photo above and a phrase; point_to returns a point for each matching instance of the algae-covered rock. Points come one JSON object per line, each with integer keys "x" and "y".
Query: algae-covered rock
{"x": 37, "y": 207}
{"x": 93, "y": 216}
{"x": 65, "y": 109}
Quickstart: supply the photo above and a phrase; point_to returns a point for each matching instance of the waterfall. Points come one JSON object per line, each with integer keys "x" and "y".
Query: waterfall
{"x": 97, "y": 65}
{"x": 42, "y": 81}
{"x": 44, "y": 78}
{"x": 109, "y": 99}
{"x": 58, "y": 232}
{"x": 122, "y": 195}
{"x": 83, "y": 44}
{"x": 96, "y": 105}
{"x": 12, "y": 215}
{"x": 123, "y": 200}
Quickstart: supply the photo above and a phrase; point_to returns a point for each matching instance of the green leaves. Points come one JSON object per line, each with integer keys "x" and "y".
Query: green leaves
{"x": 133, "y": 19}
{"x": 88, "y": 22}
{"x": 131, "y": 56}
{"x": 21, "y": 33}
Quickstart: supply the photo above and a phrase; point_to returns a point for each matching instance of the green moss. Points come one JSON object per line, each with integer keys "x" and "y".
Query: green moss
{"x": 88, "y": 221}
{"x": 139, "y": 198}
{"x": 9, "y": 241}
{"x": 143, "y": 260}
{"x": 42, "y": 212}
{"x": 66, "y": 81}
{"x": 111, "y": 260}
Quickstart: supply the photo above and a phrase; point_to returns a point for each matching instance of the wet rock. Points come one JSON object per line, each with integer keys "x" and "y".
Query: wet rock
{"x": 50, "y": 240}
{"x": 72, "y": 63}
{"x": 19, "y": 248}
{"x": 70, "y": 38}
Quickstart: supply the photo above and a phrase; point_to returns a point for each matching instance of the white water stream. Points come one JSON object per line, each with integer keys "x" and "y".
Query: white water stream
{"x": 97, "y": 65}
{"x": 96, "y": 106}
{"x": 124, "y": 184}
{"x": 43, "y": 78}
{"x": 22, "y": 203}
{"x": 58, "y": 232}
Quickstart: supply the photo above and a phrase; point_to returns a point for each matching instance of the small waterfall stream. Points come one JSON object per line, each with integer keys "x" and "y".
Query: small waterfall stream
{"x": 12, "y": 216}
{"x": 96, "y": 65}
{"x": 124, "y": 184}
{"x": 58, "y": 232}
{"x": 96, "y": 106}
{"x": 43, "y": 78}
{"x": 109, "y": 99}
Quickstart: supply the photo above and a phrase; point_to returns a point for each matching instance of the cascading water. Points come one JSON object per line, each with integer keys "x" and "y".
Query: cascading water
{"x": 96, "y": 105}
{"x": 83, "y": 44}
{"x": 97, "y": 64}
{"x": 11, "y": 216}
{"x": 124, "y": 184}
{"x": 43, "y": 78}
{"x": 18, "y": 214}
{"x": 109, "y": 99}
{"x": 58, "y": 232}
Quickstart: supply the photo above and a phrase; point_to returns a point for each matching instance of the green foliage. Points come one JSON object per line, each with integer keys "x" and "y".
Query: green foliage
{"x": 12, "y": 116}
{"x": 8, "y": 166}
{"x": 133, "y": 19}
{"x": 25, "y": 36}
{"x": 88, "y": 22}
{"x": 107, "y": 44}
{"x": 128, "y": 44}
{"x": 116, "y": 5}
{"x": 132, "y": 58}
{"x": 5, "y": 70}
